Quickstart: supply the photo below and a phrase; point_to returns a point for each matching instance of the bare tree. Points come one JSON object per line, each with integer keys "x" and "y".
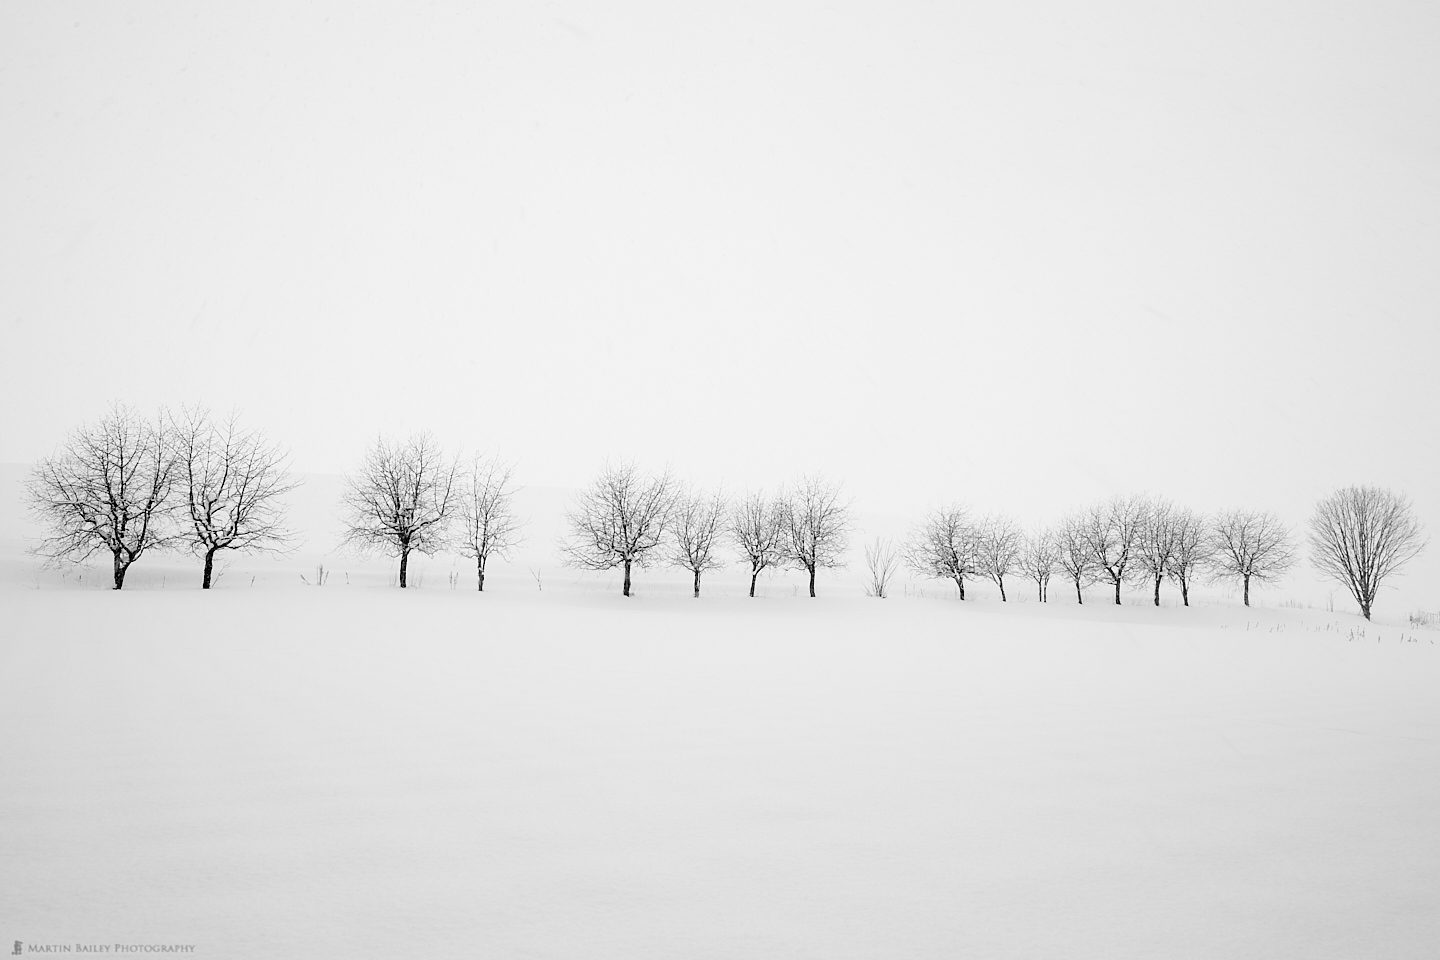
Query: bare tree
{"x": 1361, "y": 535}
{"x": 758, "y": 529}
{"x": 1073, "y": 555}
{"x": 881, "y": 559}
{"x": 107, "y": 490}
{"x": 1111, "y": 531}
{"x": 998, "y": 542}
{"x": 231, "y": 480}
{"x": 943, "y": 547}
{"x": 1039, "y": 559}
{"x": 1193, "y": 549}
{"x": 696, "y": 531}
{"x": 1251, "y": 545}
{"x": 402, "y": 499}
{"x": 620, "y": 520}
{"x": 1155, "y": 546}
{"x": 488, "y": 523}
{"x": 817, "y": 527}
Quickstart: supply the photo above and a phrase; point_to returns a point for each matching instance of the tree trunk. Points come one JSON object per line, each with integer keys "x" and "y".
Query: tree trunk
{"x": 754, "y": 575}
{"x": 1117, "y": 591}
{"x": 121, "y": 566}
{"x": 960, "y": 582}
{"x": 209, "y": 567}
{"x": 1079, "y": 597}
{"x": 626, "y": 588}
{"x": 480, "y": 573}
{"x": 697, "y": 583}
{"x": 1001, "y": 582}
{"x": 1157, "y": 591}
{"x": 1040, "y": 590}
{"x": 1185, "y": 591}
{"x": 812, "y": 581}
{"x": 1247, "y": 589}
{"x": 404, "y": 561}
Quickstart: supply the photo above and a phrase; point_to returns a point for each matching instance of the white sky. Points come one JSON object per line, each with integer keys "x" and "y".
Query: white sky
{"x": 1021, "y": 255}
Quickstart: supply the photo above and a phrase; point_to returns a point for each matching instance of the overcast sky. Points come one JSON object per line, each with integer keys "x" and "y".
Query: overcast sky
{"x": 1016, "y": 254}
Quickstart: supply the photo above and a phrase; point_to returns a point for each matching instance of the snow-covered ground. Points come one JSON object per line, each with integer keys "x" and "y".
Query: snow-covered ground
{"x": 292, "y": 772}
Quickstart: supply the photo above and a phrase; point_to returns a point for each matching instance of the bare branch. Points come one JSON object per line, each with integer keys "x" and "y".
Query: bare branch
{"x": 998, "y": 542}
{"x": 620, "y": 520}
{"x": 231, "y": 480}
{"x": 758, "y": 528}
{"x": 1039, "y": 559}
{"x": 1073, "y": 555}
{"x": 1155, "y": 546}
{"x": 1250, "y": 545}
{"x": 402, "y": 499}
{"x": 1362, "y": 535}
{"x": 698, "y": 525}
{"x": 943, "y": 547}
{"x": 817, "y": 527}
{"x": 109, "y": 489}
{"x": 1111, "y": 532}
{"x": 882, "y": 560}
{"x": 488, "y": 523}
{"x": 1193, "y": 548}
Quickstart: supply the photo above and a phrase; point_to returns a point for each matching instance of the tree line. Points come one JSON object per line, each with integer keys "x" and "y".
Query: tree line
{"x": 1139, "y": 540}
{"x": 128, "y": 484}
{"x": 408, "y": 497}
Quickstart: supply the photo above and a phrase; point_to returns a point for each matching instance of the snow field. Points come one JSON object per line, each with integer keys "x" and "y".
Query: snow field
{"x": 369, "y": 772}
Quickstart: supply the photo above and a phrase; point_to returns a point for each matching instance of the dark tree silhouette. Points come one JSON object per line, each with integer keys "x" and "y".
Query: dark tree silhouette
{"x": 817, "y": 525}
{"x": 1362, "y": 535}
{"x": 943, "y": 547}
{"x": 758, "y": 530}
{"x": 1039, "y": 558}
{"x": 1250, "y": 545}
{"x": 402, "y": 499}
{"x": 107, "y": 490}
{"x": 620, "y": 521}
{"x": 488, "y": 525}
{"x": 998, "y": 543}
{"x": 1193, "y": 549}
{"x": 1111, "y": 531}
{"x": 231, "y": 480}
{"x": 1155, "y": 546}
{"x": 1073, "y": 555}
{"x": 696, "y": 531}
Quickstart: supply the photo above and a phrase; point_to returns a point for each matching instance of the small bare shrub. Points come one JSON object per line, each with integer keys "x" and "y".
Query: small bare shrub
{"x": 883, "y": 560}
